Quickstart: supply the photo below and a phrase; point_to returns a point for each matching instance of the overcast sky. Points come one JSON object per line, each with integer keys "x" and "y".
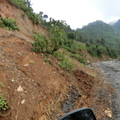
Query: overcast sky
{"x": 78, "y": 13}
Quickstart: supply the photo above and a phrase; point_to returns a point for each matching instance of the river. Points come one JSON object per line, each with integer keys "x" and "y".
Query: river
{"x": 111, "y": 70}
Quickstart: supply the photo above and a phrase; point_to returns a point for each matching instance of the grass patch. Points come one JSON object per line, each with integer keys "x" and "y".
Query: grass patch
{"x": 63, "y": 61}
{"x": 3, "y": 104}
{"x": 71, "y": 49}
{"x": 66, "y": 65}
{"x": 46, "y": 58}
{"x": 79, "y": 58}
{"x": 40, "y": 44}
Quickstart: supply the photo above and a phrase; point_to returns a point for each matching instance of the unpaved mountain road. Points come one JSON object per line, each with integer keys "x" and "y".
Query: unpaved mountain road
{"x": 111, "y": 70}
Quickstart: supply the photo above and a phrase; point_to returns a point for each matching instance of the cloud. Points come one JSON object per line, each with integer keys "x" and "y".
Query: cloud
{"x": 109, "y": 8}
{"x": 78, "y": 13}
{"x": 75, "y": 12}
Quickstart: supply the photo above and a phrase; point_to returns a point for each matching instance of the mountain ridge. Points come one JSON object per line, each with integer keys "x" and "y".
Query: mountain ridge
{"x": 117, "y": 25}
{"x": 100, "y": 30}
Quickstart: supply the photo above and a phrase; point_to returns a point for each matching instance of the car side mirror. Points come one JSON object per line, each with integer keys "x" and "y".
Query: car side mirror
{"x": 79, "y": 114}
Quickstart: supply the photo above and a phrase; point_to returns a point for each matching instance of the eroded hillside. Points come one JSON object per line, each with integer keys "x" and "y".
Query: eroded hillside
{"x": 35, "y": 90}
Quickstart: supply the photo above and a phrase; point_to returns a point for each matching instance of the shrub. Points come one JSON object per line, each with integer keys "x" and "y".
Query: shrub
{"x": 98, "y": 50}
{"x": 53, "y": 44}
{"x": 3, "y": 104}
{"x": 80, "y": 46}
{"x": 40, "y": 44}
{"x": 1, "y": 24}
{"x": 59, "y": 55}
{"x": 92, "y": 50}
{"x": 57, "y": 37}
{"x": 66, "y": 65}
{"x": 63, "y": 61}
{"x": 8, "y": 23}
{"x": 34, "y": 17}
{"x": 79, "y": 58}
{"x": 72, "y": 46}
{"x": 71, "y": 49}
{"x": 20, "y": 4}
{"x": 71, "y": 35}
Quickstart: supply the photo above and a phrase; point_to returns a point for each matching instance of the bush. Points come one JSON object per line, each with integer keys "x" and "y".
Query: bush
{"x": 53, "y": 44}
{"x": 64, "y": 63}
{"x": 20, "y": 4}
{"x": 112, "y": 53}
{"x": 73, "y": 46}
{"x": 8, "y": 23}
{"x": 80, "y": 46}
{"x": 40, "y": 44}
{"x": 59, "y": 55}
{"x": 79, "y": 58}
{"x": 92, "y": 50}
{"x": 34, "y": 17}
{"x": 3, "y": 104}
{"x": 1, "y": 24}
{"x": 98, "y": 50}
{"x": 71, "y": 49}
{"x": 57, "y": 37}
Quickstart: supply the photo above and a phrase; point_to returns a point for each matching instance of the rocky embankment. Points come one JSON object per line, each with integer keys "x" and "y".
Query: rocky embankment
{"x": 111, "y": 71}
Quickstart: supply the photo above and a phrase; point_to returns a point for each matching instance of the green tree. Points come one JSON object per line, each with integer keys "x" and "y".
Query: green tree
{"x": 71, "y": 35}
{"x": 27, "y": 3}
{"x": 41, "y": 14}
{"x": 55, "y": 41}
{"x": 91, "y": 41}
{"x": 119, "y": 48}
{"x": 102, "y": 41}
{"x": 56, "y": 37}
{"x": 45, "y": 17}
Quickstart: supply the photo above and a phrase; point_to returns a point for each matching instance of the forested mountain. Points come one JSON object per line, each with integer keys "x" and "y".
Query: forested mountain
{"x": 100, "y": 31}
{"x": 117, "y": 25}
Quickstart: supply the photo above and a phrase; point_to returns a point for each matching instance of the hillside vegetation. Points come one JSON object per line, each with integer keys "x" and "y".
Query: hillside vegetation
{"x": 99, "y": 37}
{"x": 116, "y": 25}
{"x": 101, "y": 33}
{"x": 43, "y": 72}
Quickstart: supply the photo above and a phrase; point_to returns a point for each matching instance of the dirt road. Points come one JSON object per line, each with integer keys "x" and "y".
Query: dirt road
{"x": 111, "y": 70}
